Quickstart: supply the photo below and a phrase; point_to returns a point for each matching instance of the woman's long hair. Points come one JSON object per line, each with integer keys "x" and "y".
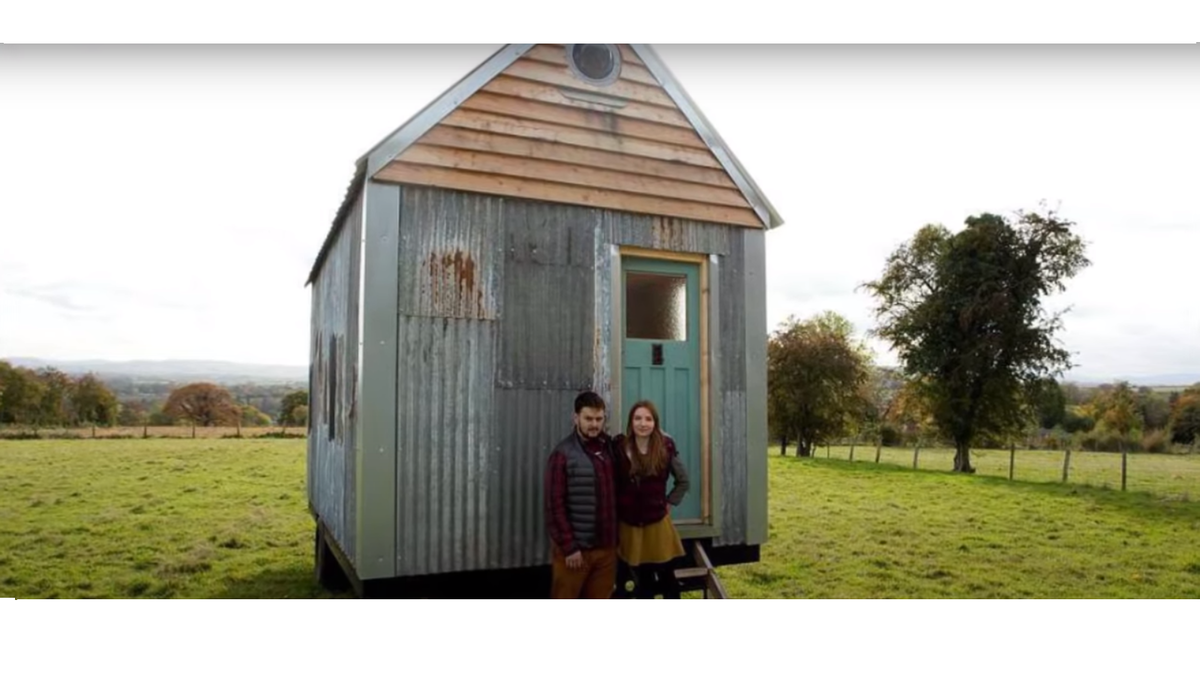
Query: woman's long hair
{"x": 655, "y": 459}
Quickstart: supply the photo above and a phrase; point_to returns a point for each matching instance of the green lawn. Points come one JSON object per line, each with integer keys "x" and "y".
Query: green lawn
{"x": 227, "y": 518}
{"x": 1166, "y": 475}
{"x": 861, "y": 530}
{"x": 155, "y": 518}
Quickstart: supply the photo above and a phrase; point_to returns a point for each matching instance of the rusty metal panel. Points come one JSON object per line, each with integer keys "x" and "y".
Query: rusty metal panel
{"x": 547, "y": 331}
{"x": 449, "y": 254}
{"x": 444, "y": 439}
{"x": 667, "y": 234}
{"x": 334, "y": 368}
{"x": 530, "y": 423}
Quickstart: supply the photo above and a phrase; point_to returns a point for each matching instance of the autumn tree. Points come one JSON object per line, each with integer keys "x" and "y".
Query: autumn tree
{"x": 882, "y": 389}
{"x": 133, "y": 414}
{"x": 203, "y": 404}
{"x": 253, "y": 417}
{"x": 910, "y": 413}
{"x": 93, "y": 402}
{"x": 816, "y": 379}
{"x": 1117, "y": 409}
{"x": 964, "y": 313}
{"x": 1185, "y": 416}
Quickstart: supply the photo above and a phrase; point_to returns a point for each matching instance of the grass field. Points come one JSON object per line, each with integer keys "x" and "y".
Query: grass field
{"x": 179, "y": 431}
{"x": 861, "y": 530}
{"x": 227, "y": 518}
{"x": 1166, "y": 475}
{"x": 155, "y": 518}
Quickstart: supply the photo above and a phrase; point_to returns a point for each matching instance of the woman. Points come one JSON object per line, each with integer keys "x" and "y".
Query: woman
{"x": 648, "y": 541}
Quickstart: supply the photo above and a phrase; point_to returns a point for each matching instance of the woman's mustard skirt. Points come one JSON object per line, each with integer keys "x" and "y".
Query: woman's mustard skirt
{"x": 654, "y": 543}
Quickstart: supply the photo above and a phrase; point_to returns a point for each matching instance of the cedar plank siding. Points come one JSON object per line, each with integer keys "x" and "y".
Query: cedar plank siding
{"x": 533, "y": 133}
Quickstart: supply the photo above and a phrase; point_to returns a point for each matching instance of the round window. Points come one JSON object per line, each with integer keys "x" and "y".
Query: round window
{"x": 597, "y": 64}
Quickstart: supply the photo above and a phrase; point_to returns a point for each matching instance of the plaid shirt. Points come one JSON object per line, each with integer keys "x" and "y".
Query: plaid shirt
{"x": 558, "y": 517}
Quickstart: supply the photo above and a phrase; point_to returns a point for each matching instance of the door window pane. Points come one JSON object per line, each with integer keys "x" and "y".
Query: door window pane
{"x": 655, "y": 306}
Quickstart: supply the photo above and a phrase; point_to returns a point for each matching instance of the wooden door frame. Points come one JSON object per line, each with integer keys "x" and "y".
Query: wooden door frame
{"x": 708, "y": 523}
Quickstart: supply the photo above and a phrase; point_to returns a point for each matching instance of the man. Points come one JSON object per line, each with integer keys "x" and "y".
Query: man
{"x": 581, "y": 511}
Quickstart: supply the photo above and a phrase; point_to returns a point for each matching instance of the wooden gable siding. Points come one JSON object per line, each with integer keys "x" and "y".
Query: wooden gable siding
{"x": 536, "y": 131}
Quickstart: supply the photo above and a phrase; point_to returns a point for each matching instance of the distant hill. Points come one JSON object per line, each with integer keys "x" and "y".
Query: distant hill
{"x": 1169, "y": 380}
{"x": 221, "y": 372}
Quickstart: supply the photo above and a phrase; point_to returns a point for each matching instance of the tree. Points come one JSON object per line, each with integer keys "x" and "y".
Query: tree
{"x": 54, "y": 408}
{"x": 1117, "y": 409}
{"x": 882, "y": 394}
{"x": 203, "y": 404}
{"x": 289, "y": 406}
{"x": 133, "y": 414}
{"x": 816, "y": 378}
{"x": 1077, "y": 421}
{"x": 23, "y": 392}
{"x": 300, "y": 415}
{"x": 93, "y": 402}
{"x": 1154, "y": 408}
{"x": 253, "y": 417}
{"x": 1185, "y": 416}
{"x": 1050, "y": 402}
{"x": 964, "y": 313}
{"x": 160, "y": 417}
{"x": 910, "y": 412}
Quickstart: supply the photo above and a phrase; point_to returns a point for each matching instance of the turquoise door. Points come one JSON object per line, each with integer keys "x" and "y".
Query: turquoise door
{"x": 660, "y": 358}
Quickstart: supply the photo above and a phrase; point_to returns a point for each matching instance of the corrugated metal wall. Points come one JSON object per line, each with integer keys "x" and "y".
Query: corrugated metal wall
{"x": 333, "y": 363}
{"x": 499, "y": 331}
{"x": 496, "y": 336}
{"x": 732, "y": 408}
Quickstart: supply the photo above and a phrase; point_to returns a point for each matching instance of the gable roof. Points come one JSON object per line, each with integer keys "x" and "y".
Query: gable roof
{"x": 419, "y": 124}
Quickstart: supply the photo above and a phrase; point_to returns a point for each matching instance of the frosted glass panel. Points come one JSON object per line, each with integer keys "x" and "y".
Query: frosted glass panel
{"x": 655, "y": 306}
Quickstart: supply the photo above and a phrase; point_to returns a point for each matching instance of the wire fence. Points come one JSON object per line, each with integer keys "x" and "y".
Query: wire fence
{"x": 1169, "y": 475}
{"x": 22, "y": 432}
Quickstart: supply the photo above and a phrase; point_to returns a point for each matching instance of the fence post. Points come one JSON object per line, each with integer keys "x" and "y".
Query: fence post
{"x": 878, "y": 449}
{"x": 916, "y": 453}
{"x": 1124, "y": 465}
{"x": 852, "y": 442}
{"x": 1066, "y": 464}
{"x": 1012, "y": 458}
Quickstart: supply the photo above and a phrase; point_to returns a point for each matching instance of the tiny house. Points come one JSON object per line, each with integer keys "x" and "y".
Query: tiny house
{"x": 564, "y": 218}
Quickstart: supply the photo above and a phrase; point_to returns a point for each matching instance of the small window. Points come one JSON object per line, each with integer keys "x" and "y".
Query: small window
{"x": 599, "y": 65}
{"x": 655, "y": 306}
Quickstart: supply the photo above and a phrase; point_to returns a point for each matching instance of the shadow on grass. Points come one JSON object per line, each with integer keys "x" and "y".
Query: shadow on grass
{"x": 1145, "y": 505}
{"x": 297, "y": 582}
{"x": 278, "y": 583}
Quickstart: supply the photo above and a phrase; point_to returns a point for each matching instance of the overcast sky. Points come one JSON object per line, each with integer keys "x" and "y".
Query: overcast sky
{"x": 168, "y": 202}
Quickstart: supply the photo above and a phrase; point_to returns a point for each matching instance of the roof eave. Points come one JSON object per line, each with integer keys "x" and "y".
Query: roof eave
{"x": 417, "y": 126}
{"x": 408, "y": 133}
{"x": 758, "y": 200}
